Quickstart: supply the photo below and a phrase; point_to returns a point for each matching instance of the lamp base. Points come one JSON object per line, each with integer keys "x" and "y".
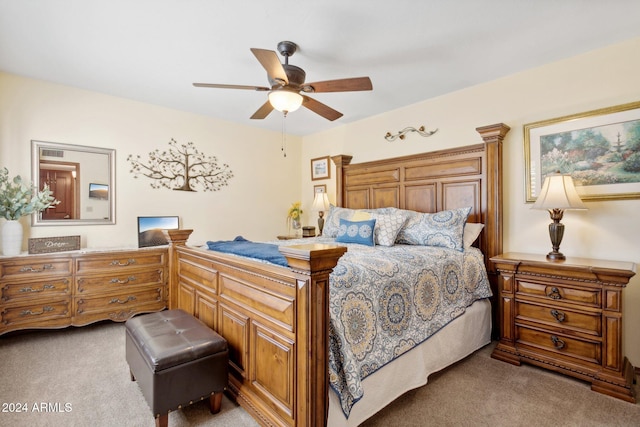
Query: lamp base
{"x": 556, "y": 231}
{"x": 556, "y": 256}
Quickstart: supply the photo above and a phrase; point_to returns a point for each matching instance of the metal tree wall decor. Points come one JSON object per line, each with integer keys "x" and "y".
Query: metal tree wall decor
{"x": 182, "y": 167}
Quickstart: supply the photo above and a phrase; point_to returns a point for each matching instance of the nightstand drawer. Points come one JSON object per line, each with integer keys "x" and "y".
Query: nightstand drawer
{"x": 559, "y": 293}
{"x": 559, "y": 319}
{"x": 580, "y": 350}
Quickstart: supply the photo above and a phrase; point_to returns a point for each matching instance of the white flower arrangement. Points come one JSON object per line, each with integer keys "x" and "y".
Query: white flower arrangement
{"x": 19, "y": 198}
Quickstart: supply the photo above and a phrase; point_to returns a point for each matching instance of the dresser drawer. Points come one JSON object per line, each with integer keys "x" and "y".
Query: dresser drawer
{"x": 113, "y": 301}
{"x": 38, "y": 313}
{"x": 31, "y": 268}
{"x": 557, "y": 318}
{"x": 115, "y": 261}
{"x": 118, "y": 307}
{"x": 119, "y": 282}
{"x": 581, "y": 351}
{"x": 559, "y": 293}
{"x": 32, "y": 289}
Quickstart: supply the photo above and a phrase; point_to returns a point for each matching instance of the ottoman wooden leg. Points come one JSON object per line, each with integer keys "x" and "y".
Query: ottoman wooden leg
{"x": 133, "y": 377}
{"x": 162, "y": 420}
{"x": 215, "y": 402}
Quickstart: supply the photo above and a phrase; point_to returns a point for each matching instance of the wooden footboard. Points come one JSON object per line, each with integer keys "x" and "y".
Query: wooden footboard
{"x": 274, "y": 318}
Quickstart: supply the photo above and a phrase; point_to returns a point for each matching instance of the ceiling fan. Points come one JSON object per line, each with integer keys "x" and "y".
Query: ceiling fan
{"x": 287, "y": 81}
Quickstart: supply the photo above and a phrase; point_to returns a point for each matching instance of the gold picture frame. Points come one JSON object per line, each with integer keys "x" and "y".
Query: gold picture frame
{"x": 599, "y": 148}
{"x": 321, "y": 188}
{"x": 320, "y": 168}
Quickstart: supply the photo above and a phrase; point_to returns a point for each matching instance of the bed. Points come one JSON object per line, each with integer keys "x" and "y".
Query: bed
{"x": 277, "y": 319}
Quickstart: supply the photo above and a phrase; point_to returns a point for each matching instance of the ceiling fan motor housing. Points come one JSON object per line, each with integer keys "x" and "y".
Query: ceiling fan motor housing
{"x": 296, "y": 76}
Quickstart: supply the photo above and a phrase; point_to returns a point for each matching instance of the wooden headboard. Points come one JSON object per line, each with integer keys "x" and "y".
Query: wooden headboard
{"x": 435, "y": 181}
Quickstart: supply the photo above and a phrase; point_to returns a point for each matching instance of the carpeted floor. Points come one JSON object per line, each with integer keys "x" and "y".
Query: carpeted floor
{"x": 79, "y": 377}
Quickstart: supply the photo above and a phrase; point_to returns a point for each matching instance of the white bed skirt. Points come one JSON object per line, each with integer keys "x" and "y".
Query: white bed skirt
{"x": 454, "y": 342}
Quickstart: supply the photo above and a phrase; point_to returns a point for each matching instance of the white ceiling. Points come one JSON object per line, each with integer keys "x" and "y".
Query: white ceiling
{"x": 153, "y": 50}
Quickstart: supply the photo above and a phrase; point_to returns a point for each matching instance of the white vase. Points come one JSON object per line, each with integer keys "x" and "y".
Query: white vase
{"x": 11, "y": 238}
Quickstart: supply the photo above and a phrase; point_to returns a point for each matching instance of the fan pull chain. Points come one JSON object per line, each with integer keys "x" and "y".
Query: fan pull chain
{"x": 283, "y": 147}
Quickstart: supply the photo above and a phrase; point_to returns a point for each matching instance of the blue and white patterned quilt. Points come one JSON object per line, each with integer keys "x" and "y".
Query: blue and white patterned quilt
{"x": 386, "y": 300}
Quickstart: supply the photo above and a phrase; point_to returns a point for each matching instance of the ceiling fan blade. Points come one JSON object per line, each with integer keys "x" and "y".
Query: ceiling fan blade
{"x": 218, "y": 86}
{"x": 271, "y": 63}
{"x": 340, "y": 85}
{"x": 320, "y": 108}
{"x": 263, "y": 111}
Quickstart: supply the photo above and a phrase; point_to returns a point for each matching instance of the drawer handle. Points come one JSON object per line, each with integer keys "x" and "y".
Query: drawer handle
{"x": 29, "y": 269}
{"x": 44, "y": 288}
{"x": 558, "y": 315}
{"x": 123, "y": 264}
{"x": 557, "y": 342}
{"x": 118, "y": 301}
{"x": 122, "y": 282}
{"x": 554, "y": 294}
{"x": 45, "y": 309}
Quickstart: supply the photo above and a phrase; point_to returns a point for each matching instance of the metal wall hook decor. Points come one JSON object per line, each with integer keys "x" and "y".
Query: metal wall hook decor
{"x": 403, "y": 132}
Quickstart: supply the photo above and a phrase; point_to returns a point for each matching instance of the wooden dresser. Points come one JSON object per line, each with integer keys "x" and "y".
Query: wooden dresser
{"x": 78, "y": 288}
{"x": 566, "y": 316}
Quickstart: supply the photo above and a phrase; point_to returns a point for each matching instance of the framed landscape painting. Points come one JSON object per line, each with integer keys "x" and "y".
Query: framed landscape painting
{"x": 600, "y": 149}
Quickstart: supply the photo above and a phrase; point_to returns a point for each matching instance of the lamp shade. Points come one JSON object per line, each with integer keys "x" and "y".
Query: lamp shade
{"x": 558, "y": 192}
{"x": 320, "y": 202}
{"x": 285, "y": 100}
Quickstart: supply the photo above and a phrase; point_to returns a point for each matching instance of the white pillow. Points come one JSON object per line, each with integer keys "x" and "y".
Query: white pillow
{"x": 471, "y": 232}
{"x": 387, "y": 227}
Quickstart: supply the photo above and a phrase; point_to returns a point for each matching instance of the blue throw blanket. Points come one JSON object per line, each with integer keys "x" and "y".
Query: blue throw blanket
{"x": 241, "y": 246}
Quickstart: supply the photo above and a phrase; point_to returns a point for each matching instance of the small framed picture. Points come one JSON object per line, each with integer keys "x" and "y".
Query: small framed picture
{"x": 320, "y": 168}
{"x": 98, "y": 191}
{"x": 321, "y": 188}
{"x": 150, "y": 229}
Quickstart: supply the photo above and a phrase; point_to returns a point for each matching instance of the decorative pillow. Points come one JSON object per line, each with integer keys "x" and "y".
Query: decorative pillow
{"x": 356, "y": 232}
{"x": 332, "y": 221}
{"x": 387, "y": 227}
{"x": 471, "y": 232}
{"x": 444, "y": 229}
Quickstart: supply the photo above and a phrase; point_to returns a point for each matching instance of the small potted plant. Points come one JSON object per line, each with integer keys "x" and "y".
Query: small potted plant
{"x": 17, "y": 199}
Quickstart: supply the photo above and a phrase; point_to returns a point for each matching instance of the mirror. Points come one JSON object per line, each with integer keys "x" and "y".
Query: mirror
{"x": 82, "y": 178}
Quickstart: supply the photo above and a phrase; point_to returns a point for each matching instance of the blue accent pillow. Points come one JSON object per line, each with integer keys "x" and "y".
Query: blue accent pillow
{"x": 360, "y": 232}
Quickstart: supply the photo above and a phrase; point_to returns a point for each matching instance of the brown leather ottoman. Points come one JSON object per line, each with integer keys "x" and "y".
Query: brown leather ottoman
{"x": 176, "y": 360}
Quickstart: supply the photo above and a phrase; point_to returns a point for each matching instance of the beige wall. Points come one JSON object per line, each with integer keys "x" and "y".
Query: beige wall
{"x": 254, "y": 204}
{"x": 259, "y": 195}
{"x": 602, "y": 78}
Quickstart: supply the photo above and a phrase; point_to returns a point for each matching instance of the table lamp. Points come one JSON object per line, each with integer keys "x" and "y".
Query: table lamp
{"x": 557, "y": 195}
{"x": 320, "y": 204}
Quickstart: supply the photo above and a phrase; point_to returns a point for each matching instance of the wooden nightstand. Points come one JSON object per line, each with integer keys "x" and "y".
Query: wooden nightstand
{"x": 566, "y": 316}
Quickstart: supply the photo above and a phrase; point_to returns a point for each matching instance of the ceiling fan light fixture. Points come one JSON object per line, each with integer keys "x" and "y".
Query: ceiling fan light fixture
{"x": 285, "y": 100}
